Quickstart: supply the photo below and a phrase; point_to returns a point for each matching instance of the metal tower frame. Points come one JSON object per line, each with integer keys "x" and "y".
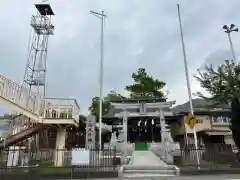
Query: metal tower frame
{"x": 36, "y": 67}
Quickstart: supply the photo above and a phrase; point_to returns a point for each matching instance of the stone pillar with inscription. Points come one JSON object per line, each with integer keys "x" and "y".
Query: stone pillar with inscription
{"x": 90, "y": 132}
{"x": 90, "y": 137}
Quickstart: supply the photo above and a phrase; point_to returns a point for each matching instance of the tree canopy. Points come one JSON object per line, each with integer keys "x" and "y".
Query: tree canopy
{"x": 144, "y": 86}
{"x": 112, "y": 96}
{"x": 222, "y": 83}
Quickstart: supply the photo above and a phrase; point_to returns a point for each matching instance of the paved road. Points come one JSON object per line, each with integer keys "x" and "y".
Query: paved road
{"x": 200, "y": 177}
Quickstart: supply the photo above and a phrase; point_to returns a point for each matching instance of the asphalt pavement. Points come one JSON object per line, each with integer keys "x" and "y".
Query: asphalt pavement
{"x": 199, "y": 177}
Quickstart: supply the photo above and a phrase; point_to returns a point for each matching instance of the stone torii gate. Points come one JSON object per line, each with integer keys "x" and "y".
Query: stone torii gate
{"x": 143, "y": 107}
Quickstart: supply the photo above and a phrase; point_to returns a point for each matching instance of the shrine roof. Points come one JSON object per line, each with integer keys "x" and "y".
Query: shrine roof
{"x": 111, "y": 120}
{"x": 142, "y": 100}
{"x": 112, "y": 112}
{"x": 115, "y": 120}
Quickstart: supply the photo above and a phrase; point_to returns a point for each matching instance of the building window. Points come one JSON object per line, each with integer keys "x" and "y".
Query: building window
{"x": 199, "y": 121}
{"x": 221, "y": 120}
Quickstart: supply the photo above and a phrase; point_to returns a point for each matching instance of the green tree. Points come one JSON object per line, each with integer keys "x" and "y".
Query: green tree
{"x": 223, "y": 84}
{"x": 112, "y": 96}
{"x": 145, "y": 86}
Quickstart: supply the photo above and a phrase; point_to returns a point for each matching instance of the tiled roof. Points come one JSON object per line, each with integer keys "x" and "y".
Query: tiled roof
{"x": 198, "y": 105}
{"x": 114, "y": 111}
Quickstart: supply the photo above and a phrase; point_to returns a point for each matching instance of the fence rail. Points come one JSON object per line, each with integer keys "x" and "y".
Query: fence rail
{"x": 211, "y": 156}
{"x": 45, "y": 164}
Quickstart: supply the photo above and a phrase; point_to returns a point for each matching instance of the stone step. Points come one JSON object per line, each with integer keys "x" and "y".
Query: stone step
{"x": 148, "y": 167}
{"x": 173, "y": 172}
{"x": 145, "y": 175}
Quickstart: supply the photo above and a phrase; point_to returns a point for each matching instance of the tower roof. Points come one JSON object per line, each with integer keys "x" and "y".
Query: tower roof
{"x": 44, "y": 9}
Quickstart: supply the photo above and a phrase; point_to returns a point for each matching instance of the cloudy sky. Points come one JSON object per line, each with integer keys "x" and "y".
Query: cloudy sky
{"x": 137, "y": 34}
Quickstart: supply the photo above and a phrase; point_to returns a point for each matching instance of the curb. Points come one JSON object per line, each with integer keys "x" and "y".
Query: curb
{"x": 189, "y": 172}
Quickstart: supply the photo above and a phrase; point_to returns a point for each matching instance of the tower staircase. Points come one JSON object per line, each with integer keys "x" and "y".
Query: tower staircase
{"x": 22, "y": 135}
{"x": 41, "y": 111}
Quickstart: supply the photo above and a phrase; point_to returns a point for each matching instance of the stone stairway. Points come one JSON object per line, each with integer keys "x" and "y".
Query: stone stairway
{"x": 147, "y": 164}
{"x": 148, "y": 171}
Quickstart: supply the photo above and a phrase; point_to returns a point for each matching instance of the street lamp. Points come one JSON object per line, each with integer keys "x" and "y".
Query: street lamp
{"x": 228, "y": 30}
{"x": 101, "y": 16}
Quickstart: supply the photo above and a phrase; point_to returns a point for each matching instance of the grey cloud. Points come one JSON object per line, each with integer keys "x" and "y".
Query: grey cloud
{"x": 137, "y": 34}
{"x": 217, "y": 58}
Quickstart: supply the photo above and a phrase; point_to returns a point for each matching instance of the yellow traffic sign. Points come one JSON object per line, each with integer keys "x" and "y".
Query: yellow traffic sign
{"x": 191, "y": 121}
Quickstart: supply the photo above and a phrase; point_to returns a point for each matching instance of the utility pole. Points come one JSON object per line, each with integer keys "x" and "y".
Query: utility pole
{"x": 102, "y": 17}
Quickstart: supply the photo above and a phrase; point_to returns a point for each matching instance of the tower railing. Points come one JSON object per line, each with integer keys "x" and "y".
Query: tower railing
{"x": 61, "y": 108}
{"x": 42, "y": 25}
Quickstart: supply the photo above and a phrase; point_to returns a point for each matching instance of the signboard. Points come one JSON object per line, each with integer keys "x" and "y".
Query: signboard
{"x": 90, "y": 132}
{"x": 13, "y": 156}
{"x": 191, "y": 121}
{"x": 80, "y": 156}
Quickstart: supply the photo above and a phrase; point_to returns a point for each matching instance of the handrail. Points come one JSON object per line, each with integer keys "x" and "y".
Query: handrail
{"x": 30, "y": 101}
{"x": 58, "y": 98}
{"x": 18, "y": 86}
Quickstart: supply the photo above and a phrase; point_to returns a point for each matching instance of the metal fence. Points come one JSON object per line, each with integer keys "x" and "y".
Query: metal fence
{"x": 212, "y": 156}
{"x": 56, "y": 164}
